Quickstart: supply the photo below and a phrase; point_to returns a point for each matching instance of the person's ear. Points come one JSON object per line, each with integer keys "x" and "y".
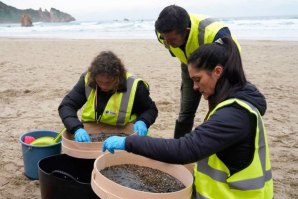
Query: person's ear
{"x": 218, "y": 70}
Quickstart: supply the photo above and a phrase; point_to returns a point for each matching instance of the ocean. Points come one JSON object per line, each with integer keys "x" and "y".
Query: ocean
{"x": 252, "y": 28}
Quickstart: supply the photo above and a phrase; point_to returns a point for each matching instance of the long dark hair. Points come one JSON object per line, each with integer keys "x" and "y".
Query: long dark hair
{"x": 222, "y": 52}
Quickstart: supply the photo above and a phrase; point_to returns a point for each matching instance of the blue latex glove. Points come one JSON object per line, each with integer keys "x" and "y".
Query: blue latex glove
{"x": 114, "y": 142}
{"x": 81, "y": 135}
{"x": 140, "y": 128}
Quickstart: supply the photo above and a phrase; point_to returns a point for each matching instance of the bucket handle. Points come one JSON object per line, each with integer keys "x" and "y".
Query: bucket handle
{"x": 65, "y": 175}
{"x": 27, "y": 150}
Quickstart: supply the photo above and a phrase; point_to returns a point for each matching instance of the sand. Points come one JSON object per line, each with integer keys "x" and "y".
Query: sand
{"x": 35, "y": 75}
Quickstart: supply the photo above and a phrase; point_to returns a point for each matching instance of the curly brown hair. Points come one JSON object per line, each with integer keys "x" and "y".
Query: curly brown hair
{"x": 107, "y": 63}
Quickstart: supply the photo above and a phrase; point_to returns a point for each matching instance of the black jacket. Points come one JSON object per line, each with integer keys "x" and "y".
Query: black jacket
{"x": 229, "y": 133}
{"x": 144, "y": 107}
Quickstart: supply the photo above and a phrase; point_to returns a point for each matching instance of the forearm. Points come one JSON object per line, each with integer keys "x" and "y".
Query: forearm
{"x": 218, "y": 133}
{"x": 72, "y": 124}
{"x": 144, "y": 107}
{"x": 172, "y": 151}
{"x": 149, "y": 116}
{"x": 70, "y": 104}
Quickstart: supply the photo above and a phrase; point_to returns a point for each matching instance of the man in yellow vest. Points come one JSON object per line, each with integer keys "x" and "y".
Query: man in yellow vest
{"x": 230, "y": 147}
{"x": 182, "y": 33}
{"x": 109, "y": 95}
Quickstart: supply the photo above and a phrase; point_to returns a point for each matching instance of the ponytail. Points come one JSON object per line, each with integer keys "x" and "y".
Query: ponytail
{"x": 222, "y": 52}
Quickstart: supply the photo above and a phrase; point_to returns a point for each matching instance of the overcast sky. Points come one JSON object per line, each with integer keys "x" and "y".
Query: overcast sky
{"x": 149, "y": 9}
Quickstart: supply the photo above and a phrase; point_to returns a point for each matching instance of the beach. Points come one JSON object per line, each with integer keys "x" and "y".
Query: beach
{"x": 36, "y": 74}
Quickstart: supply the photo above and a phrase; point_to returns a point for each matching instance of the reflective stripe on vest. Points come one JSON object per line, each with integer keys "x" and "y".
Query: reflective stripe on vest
{"x": 125, "y": 101}
{"x": 120, "y": 103}
{"x": 207, "y": 32}
{"x": 202, "y": 27}
{"x": 254, "y": 181}
{"x": 203, "y": 30}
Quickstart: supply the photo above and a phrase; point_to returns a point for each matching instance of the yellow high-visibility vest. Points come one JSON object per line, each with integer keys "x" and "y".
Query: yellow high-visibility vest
{"x": 213, "y": 179}
{"x": 118, "y": 110}
{"x": 203, "y": 30}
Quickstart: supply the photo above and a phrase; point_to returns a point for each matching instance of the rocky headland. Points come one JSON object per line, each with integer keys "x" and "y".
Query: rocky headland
{"x": 9, "y": 14}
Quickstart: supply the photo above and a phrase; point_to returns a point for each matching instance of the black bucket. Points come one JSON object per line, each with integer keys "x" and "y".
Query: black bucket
{"x": 65, "y": 177}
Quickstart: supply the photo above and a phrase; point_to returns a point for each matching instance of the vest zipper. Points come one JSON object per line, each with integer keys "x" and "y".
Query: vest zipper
{"x": 97, "y": 117}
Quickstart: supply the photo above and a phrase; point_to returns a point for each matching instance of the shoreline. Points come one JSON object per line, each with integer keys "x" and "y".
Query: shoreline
{"x": 125, "y": 39}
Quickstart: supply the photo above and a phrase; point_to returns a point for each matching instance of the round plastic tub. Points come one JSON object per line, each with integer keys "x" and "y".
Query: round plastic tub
{"x": 106, "y": 188}
{"x": 94, "y": 149}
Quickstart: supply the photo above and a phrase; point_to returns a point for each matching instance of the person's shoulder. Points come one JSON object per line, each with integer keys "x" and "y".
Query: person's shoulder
{"x": 199, "y": 16}
{"x": 140, "y": 82}
{"x": 142, "y": 85}
{"x": 84, "y": 74}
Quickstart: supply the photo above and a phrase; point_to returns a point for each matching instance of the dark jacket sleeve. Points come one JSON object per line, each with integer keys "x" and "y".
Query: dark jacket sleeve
{"x": 227, "y": 127}
{"x": 70, "y": 105}
{"x": 144, "y": 106}
{"x": 224, "y": 32}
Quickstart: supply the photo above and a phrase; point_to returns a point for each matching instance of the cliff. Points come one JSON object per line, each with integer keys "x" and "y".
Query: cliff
{"x": 9, "y": 14}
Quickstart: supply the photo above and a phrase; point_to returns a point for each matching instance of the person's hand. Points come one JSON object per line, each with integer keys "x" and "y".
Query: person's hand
{"x": 81, "y": 135}
{"x": 114, "y": 142}
{"x": 140, "y": 128}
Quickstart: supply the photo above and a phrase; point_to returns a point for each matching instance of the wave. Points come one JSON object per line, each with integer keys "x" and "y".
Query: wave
{"x": 274, "y": 28}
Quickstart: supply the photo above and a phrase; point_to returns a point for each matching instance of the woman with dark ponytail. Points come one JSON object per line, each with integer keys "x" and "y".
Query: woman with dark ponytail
{"x": 225, "y": 54}
{"x": 230, "y": 147}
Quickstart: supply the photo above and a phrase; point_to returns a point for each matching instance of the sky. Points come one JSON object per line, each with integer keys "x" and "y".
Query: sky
{"x": 87, "y": 10}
